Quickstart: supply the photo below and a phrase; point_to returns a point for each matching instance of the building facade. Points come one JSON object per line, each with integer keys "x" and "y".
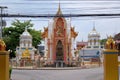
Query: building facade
{"x": 59, "y": 39}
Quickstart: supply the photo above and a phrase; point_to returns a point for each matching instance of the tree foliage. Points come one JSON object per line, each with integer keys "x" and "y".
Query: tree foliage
{"x": 103, "y": 41}
{"x": 11, "y": 34}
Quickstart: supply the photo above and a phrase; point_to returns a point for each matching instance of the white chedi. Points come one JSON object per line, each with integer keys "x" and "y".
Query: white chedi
{"x": 25, "y": 43}
{"x": 25, "y": 39}
{"x": 94, "y": 39}
{"x": 94, "y": 33}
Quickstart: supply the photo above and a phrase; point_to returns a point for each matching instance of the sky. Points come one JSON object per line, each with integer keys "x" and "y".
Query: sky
{"x": 83, "y": 25}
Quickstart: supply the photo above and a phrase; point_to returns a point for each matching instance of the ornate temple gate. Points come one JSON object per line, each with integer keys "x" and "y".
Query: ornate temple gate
{"x": 59, "y": 51}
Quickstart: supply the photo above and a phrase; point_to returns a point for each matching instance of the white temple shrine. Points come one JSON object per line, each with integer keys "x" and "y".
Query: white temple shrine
{"x": 94, "y": 39}
{"x": 25, "y": 45}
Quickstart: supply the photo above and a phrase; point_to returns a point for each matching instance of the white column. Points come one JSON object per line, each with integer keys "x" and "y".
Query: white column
{"x": 30, "y": 45}
{"x": 46, "y": 47}
{"x": 72, "y": 47}
{"x": 51, "y": 53}
{"x": 68, "y": 27}
{"x": 22, "y": 44}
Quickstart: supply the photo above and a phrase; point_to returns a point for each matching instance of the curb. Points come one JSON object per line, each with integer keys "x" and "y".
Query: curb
{"x": 50, "y": 68}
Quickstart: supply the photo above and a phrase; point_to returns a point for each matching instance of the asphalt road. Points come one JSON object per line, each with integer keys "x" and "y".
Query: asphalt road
{"x": 80, "y": 74}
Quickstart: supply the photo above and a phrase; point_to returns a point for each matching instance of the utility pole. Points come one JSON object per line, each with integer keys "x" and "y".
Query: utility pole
{"x": 1, "y": 19}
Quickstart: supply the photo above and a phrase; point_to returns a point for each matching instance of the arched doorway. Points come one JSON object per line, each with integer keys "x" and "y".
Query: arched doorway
{"x": 59, "y": 51}
{"x": 59, "y": 54}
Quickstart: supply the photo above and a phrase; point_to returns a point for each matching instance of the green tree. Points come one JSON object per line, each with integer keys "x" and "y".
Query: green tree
{"x": 36, "y": 36}
{"x": 11, "y": 35}
{"x": 103, "y": 41}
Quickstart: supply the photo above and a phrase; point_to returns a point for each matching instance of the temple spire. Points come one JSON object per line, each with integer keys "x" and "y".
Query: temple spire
{"x": 94, "y": 26}
{"x": 59, "y": 12}
{"x": 59, "y": 6}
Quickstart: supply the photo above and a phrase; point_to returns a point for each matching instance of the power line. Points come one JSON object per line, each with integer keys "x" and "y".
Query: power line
{"x": 63, "y": 2}
{"x": 53, "y": 15}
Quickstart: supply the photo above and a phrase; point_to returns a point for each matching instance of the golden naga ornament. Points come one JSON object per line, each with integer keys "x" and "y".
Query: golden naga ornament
{"x": 2, "y": 45}
{"x": 110, "y": 44}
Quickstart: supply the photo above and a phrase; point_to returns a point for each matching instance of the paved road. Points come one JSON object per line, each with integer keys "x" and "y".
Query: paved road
{"x": 81, "y": 74}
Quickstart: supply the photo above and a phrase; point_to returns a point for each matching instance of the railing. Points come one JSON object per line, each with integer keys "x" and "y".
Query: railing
{"x": 35, "y": 64}
{"x": 39, "y": 64}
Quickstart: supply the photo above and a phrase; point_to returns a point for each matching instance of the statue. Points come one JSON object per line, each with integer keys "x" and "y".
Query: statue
{"x": 26, "y": 53}
{"x": 2, "y": 45}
